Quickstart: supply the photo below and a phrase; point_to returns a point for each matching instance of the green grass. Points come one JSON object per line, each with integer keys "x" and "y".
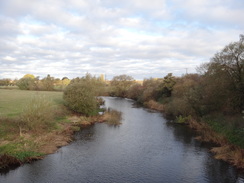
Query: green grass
{"x": 13, "y": 101}
{"x": 9, "y": 87}
{"x": 227, "y": 127}
{"x": 16, "y": 150}
{"x": 25, "y": 115}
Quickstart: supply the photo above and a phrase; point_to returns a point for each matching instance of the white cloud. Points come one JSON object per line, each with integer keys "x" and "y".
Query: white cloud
{"x": 142, "y": 38}
{"x": 9, "y": 58}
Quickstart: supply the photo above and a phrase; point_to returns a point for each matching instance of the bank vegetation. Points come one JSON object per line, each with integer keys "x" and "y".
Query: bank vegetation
{"x": 210, "y": 101}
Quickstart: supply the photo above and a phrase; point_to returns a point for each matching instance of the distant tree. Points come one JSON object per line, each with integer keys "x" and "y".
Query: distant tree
{"x": 5, "y": 82}
{"x": 121, "y": 84}
{"x": 29, "y": 76}
{"x": 65, "y": 78}
{"x": 48, "y": 83}
{"x": 135, "y": 92}
{"x": 26, "y": 83}
{"x": 93, "y": 81}
{"x": 167, "y": 85}
{"x": 151, "y": 90}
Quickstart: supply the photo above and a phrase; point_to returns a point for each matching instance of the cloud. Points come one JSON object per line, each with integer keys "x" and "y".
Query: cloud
{"x": 139, "y": 38}
{"x": 218, "y": 13}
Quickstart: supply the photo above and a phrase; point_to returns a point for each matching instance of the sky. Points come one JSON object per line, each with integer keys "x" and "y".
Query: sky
{"x": 139, "y": 38}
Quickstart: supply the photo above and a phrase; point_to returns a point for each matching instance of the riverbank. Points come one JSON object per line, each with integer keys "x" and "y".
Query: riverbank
{"x": 36, "y": 123}
{"x": 36, "y": 146}
{"x": 223, "y": 150}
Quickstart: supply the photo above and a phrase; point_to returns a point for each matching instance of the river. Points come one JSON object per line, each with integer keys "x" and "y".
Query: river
{"x": 144, "y": 148}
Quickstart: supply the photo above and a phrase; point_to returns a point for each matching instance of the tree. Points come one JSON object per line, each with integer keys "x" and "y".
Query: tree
{"x": 229, "y": 65}
{"x": 5, "y": 82}
{"x": 96, "y": 84}
{"x": 80, "y": 98}
{"x": 29, "y": 76}
{"x": 25, "y": 83}
{"x": 168, "y": 84}
{"x": 151, "y": 89}
{"x": 48, "y": 83}
{"x": 80, "y": 94}
{"x": 121, "y": 84}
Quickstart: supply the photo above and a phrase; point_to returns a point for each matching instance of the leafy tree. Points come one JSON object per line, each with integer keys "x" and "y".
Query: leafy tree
{"x": 26, "y": 83}
{"x": 121, "y": 84}
{"x": 5, "y": 82}
{"x": 65, "y": 78}
{"x": 96, "y": 84}
{"x": 48, "y": 83}
{"x": 29, "y": 76}
{"x": 80, "y": 98}
{"x": 80, "y": 94}
{"x": 135, "y": 92}
{"x": 151, "y": 89}
{"x": 168, "y": 84}
{"x": 228, "y": 66}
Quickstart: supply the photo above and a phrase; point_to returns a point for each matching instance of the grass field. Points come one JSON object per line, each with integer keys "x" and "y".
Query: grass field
{"x": 29, "y": 121}
{"x": 13, "y": 101}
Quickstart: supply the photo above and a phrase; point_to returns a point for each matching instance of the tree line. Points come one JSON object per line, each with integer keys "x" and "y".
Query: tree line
{"x": 30, "y": 82}
{"x": 217, "y": 87}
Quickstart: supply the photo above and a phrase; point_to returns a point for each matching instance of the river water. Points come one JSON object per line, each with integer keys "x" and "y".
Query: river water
{"x": 144, "y": 148}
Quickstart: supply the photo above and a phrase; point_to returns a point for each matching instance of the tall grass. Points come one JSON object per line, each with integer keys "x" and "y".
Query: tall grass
{"x": 38, "y": 114}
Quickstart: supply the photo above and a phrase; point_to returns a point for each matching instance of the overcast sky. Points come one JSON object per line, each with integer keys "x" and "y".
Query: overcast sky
{"x": 140, "y": 38}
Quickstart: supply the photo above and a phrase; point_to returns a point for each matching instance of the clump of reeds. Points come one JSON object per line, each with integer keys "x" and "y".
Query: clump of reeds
{"x": 230, "y": 153}
{"x": 113, "y": 117}
{"x": 155, "y": 105}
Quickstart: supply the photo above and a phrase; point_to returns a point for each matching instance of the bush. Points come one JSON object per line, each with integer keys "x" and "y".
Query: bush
{"x": 80, "y": 97}
{"x": 183, "y": 120}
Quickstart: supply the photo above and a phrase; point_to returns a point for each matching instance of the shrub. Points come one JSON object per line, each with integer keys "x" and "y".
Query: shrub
{"x": 183, "y": 120}
{"x": 80, "y": 97}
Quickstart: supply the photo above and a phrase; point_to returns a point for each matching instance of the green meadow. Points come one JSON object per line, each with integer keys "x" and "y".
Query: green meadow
{"x": 12, "y": 102}
{"x": 28, "y": 120}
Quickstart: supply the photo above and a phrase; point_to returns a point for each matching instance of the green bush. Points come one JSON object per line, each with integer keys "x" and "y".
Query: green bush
{"x": 80, "y": 97}
{"x": 182, "y": 120}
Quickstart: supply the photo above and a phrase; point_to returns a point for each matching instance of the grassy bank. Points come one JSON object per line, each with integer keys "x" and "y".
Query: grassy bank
{"x": 33, "y": 124}
{"x": 225, "y": 149}
{"x": 29, "y": 120}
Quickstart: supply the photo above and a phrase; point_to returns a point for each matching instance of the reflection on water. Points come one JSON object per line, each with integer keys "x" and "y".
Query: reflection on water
{"x": 145, "y": 148}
